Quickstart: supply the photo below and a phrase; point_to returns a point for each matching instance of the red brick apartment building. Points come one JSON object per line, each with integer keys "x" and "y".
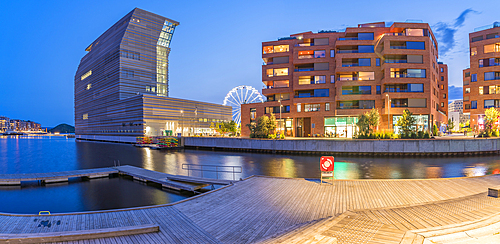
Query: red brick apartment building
{"x": 325, "y": 80}
{"x": 482, "y": 80}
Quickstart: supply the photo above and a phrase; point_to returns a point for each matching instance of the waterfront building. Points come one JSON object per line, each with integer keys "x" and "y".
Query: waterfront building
{"x": 4, "y": 123}
{"x": 121, "y": 85}
{"x": 458, "y": 106}
{"x": 318, "y": 83}
{"x": 482, "y": 79}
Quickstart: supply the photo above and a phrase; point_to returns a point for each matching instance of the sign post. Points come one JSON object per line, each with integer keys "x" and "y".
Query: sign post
{"x": 326, "y": 166}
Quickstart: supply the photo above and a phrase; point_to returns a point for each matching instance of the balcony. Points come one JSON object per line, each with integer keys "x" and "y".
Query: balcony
{"x": 395, "y": 61}
{"x": 309, "y": 44}
{"x": 347, "y": 51}
{"x": 399, "y": 90}
{"x": 347, "y": 39}
{"x": 350, "y": 65}
{"x": 394, "y": 34}
{"x": 398, "y": 47}
{"x": 275, "y": 87}
{"x": 304, "y": 69}
{"x": 345, "y": 92}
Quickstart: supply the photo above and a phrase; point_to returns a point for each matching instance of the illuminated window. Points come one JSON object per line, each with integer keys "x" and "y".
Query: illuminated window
{"x": 467, "y": 90}
{"x": 253, "y": 114}
{"x": 306, "y": 54}
{"x": 492, "y": 89}
{"x": 85, "y": 116}
{"x": 366, "y": 76}
{"x": 492, "y": 48}
{"x": 480, "y": 90}
{"x": 84, "y": 76}
{"x": 281, "y": 72}
{"x": 415, "y": 32}
{"x": 299, "y": 107}
{"x": 89, "y": 86}
{"x": 311, "y": 107}
{"x": 327, "y": 106}
{"x": 275, "y": 49}
{"x": 473, "y": 51}
{"x": 319, "y": 54}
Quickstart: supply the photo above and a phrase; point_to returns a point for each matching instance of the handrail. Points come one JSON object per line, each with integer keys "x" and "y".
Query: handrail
{"x": 44, "y": 213}
{"x": 212, "y": 168}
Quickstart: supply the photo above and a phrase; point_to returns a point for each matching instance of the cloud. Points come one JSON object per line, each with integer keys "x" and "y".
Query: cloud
{"x": 445, "y": 31}
{"x": 455, "y": 92}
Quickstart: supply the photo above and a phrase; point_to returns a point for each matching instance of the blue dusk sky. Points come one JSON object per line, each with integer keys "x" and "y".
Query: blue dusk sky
{"x": 216, "y": 47}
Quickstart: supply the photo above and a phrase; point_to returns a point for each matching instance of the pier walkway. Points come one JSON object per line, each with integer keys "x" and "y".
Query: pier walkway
{"x": 283, "y": 210}
{"x": 51, "y": 177}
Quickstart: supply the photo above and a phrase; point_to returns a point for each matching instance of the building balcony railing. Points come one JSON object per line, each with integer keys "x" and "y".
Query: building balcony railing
{"x": 347, "y": 38}
{"x": 394, "y": 34}
{"x": 493, "y": 78}
{"x": 398, "y": 47}
{"x": 275, "y": 87}
{"x": 307, "y": 95}
{"x": 357, "y": 93}
{"x": 347, "y": 51}
{"x": 399, "y": 105}
{"x": 304, "y": 69}
{"x": 406, "y": 76}
{"x": 304, "y": 44}
{"x": 353, "y": 107}
{"x": 396, "y": 61}
{"x": 350, "y": 65}
{"x": 399, "y": 90}
{"x": 346, "y": 78}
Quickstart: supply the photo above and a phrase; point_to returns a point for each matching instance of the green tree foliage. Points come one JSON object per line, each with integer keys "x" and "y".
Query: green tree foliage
{"x": 264, "y": 127}
{"x": 407, "y": 122}
{"x": 435, "y": 130}
{"x": 451, "y": 125}
{"x": 373, "y": 119}
{"x": 363, "y": 125}
{"x": 490, "y": 127}
{"x": 224, "y": 128}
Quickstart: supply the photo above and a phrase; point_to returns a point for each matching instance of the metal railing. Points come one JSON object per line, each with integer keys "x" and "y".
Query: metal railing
{"x": 212, "y": 168}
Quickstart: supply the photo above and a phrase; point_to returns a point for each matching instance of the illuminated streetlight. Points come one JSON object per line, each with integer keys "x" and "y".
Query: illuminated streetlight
{"x": 388, "y": 110}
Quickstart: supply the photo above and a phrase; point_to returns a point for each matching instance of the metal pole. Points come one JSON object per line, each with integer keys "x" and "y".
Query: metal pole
{"x": 388, "y": 111}
{"x": 280, "y": 115}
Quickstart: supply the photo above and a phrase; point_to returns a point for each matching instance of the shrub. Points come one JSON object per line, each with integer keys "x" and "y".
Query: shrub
{"x": 496, "y": 133}
{"x": 426, "y": 135}
{"x": 420, "y": 134}
{"x": 435, "y": 130}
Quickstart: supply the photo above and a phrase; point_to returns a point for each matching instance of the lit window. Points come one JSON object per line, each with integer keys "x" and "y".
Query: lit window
{"x": 311, "y": 107}
{"x": 442, "y": 104}
{"x": 84, "y": 76}
{"x": 281, "y": 72}
{"x": 85, "y": 116}
{"x": 327, "y": 106}
{"x": 492, "y": 48}
{"x": 89, "y": 86}
{"x": 299, "y": 107}
{"x": 366, "y": 76}
{"x": 148, "y": 88}
{"x": 473, "y": 51}
{"x": 480, "y": 90}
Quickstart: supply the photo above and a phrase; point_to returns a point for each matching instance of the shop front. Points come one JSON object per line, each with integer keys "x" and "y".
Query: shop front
{"x": 344, "y": 127}
{"x": 285, "y": 126}
{"x": 422, "y": 122}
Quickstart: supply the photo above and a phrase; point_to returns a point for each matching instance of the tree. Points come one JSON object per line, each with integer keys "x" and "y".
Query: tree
{"x": 271, "y": 124}
{"x": 407, "y": 122}
{"x": 490, "y": 120}
{"x": 363, "y": 124}
{"x": 450, "y": 125}
{"x": 373, "y": 119}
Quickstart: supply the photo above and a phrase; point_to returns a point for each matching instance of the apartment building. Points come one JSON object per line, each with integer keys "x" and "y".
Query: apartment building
{"x": 318, "y": 83}
{"x": 458, "y": 106}
{"x": 482, "y": 80}
{"x": 122, "y": 85}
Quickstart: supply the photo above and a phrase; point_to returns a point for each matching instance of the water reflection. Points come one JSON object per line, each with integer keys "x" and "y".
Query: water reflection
{"x": 38, "y": 154}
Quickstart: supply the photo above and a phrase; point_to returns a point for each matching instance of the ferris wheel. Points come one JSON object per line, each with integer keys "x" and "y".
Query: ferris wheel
{"x": 241, "y": 95}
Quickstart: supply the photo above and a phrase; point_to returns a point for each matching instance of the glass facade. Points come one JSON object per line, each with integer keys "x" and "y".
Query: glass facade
{"x": 422, "y": 122}
{"x": 340, "y": 126}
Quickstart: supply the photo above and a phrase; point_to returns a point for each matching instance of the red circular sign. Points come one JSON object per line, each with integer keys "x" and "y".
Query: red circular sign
{"x": 326, "y": 163}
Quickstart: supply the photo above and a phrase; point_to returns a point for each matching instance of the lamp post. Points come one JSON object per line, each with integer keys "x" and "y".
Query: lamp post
{"x": 388, "y": 111}
{"x": 281, "y": 106}
{"x": 182, "y": 123}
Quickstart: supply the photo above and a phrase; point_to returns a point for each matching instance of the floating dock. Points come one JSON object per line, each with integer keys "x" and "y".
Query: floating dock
{"x": 53, "y": 177}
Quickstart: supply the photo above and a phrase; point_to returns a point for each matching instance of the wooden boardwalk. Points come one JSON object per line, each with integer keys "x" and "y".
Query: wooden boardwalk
{"x": 145, "y": 175}
{"x": 16, "y": 179}
{"x": 280, "y": 210}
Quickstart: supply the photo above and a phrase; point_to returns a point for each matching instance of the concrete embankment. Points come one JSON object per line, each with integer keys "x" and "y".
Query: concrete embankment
{"x": 428, "y": 147}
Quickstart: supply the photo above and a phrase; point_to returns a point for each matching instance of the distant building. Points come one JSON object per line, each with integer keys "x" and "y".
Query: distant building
{"x": 121, "y": 85}
{"x": 455, "y": 118}
{"x": 7, "y": 124}
{"x": 4, "y": 123}
{"x": 458, "y": 106}
{"x": 321, "y": 82}
{"x": 482, "y": 80}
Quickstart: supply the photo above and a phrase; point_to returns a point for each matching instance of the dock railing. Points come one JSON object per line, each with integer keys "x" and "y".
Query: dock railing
{"x": 212, "y": 168}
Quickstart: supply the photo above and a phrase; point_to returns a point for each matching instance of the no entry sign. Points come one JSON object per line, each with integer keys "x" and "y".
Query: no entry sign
{"x": 326, "y": 163}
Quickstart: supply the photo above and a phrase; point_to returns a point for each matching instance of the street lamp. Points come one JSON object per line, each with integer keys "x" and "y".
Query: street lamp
{"x": 182, "y": 123}
{"x": 388, "y": 110}
{"x": 281, "y": 106}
